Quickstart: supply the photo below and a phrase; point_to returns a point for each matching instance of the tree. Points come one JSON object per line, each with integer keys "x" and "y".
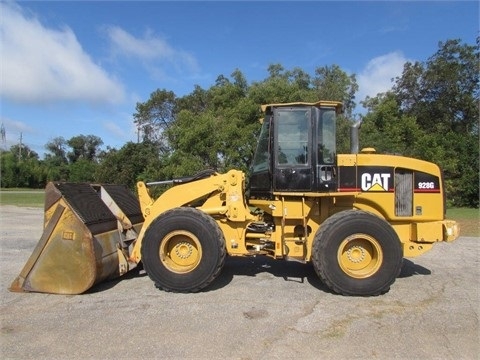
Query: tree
{"x": 443, "y": 95}
{"x": 332, "y": 83}
{"x": 57, "y": 148}
{"x": 84, "y": 147}
{"x": 388, "y": 130}
{"x": 20, "y": 168}
{"x": 9, "y": 169}
{"x": 197, "y": 137}
{"x": 196, "y": 102}
{"x": 283, "y": 86}
{"x": 432, "y": 113}
{"x": 82, "y": 170}
{"x": 55, "y": 168}
{"x": 219, "y": 137}
{"x": 132, "y": 163}
{"x": 153, "y": 117}
{"x": 446, "y": 88}
{"x": 218, "y": 127}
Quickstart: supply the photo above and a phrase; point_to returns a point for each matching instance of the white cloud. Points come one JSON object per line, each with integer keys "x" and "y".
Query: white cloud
{"x": 41, "y": 64}
{"x": 13, "y": 130}
{"x": 16, "y": 126}
{"x": 377, "y": 75}
{"x": 156, "y": 54}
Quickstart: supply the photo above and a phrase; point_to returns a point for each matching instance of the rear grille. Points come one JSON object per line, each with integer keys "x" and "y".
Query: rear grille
{"x": 403, "y": 192}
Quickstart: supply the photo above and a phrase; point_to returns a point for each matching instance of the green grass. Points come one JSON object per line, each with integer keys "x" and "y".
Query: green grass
{"x": 22, "y": 197}
{"x": 469, "y": 219}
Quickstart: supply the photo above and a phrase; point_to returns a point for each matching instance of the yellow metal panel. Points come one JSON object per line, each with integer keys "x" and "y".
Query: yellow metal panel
{"x": 398, "y": 162}
{"x": 404, "y": 231}
{"x": 347, "y": 159}
{"x": 414, "y": 249}
{"x": 427, "y": 231}
{"x": 427, "y": 207}
{"x": 379, "y": 203}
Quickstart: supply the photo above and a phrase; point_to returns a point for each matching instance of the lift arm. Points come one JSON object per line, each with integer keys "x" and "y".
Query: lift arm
{"x": 220, "y": 195}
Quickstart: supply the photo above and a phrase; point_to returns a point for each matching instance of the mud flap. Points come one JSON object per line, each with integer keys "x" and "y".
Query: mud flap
{"x": 87, "y": 237}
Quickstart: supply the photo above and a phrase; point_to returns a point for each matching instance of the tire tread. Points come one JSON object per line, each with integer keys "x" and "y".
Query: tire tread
{"x": 320, "y": 253}
{"x": 217, "y": 235}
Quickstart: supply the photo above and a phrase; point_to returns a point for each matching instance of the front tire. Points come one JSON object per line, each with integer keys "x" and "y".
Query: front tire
{"x": 183, "y": 250}
{"x": 357, "y": 253}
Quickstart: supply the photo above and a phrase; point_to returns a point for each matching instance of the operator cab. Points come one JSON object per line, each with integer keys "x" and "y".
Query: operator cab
{"x": 296, "y": 151}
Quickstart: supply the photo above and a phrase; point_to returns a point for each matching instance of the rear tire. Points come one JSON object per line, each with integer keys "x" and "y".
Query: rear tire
{"x": 357, "y": 253}
{"x": 183, "y": 250}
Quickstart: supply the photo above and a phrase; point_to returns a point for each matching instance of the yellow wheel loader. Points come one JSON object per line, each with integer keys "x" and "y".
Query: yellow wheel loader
{"x": 353, "y": 216}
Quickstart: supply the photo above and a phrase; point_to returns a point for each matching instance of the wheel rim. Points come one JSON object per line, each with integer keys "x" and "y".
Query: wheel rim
{"x": 360, "y": 256}
{"x": 180, "y": 252}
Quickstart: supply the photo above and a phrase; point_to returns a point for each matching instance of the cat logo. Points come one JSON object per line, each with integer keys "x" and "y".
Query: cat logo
{"x": 375, "y": 182}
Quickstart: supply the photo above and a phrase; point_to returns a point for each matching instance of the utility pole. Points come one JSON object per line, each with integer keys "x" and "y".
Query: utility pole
{"x": 4, "y": 138}
{"x": 20, "y": 148}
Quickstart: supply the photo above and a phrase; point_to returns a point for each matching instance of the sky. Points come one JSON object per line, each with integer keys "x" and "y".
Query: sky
{"x": 73, "y": 68}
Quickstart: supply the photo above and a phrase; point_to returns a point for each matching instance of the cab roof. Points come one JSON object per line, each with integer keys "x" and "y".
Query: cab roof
{"x": 322, "y": 103}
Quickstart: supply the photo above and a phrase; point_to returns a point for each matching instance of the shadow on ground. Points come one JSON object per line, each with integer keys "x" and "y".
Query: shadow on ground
{"x": 253, "y": 266}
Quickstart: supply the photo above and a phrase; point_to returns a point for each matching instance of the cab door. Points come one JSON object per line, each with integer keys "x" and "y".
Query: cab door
{"x": 292, "y": 149}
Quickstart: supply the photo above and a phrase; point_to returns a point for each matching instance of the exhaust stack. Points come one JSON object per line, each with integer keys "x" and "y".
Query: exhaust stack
{"x": 354, "y": 141}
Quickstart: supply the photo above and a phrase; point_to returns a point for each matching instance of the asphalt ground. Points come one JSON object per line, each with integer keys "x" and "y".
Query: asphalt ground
{"x": 257, "y": 309}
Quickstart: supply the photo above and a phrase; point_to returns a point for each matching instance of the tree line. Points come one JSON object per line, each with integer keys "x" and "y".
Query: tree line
{"x": 431, "y": 113}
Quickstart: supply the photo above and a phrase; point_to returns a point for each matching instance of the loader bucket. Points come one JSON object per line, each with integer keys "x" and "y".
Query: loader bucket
{"x": 88, "y": 231}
